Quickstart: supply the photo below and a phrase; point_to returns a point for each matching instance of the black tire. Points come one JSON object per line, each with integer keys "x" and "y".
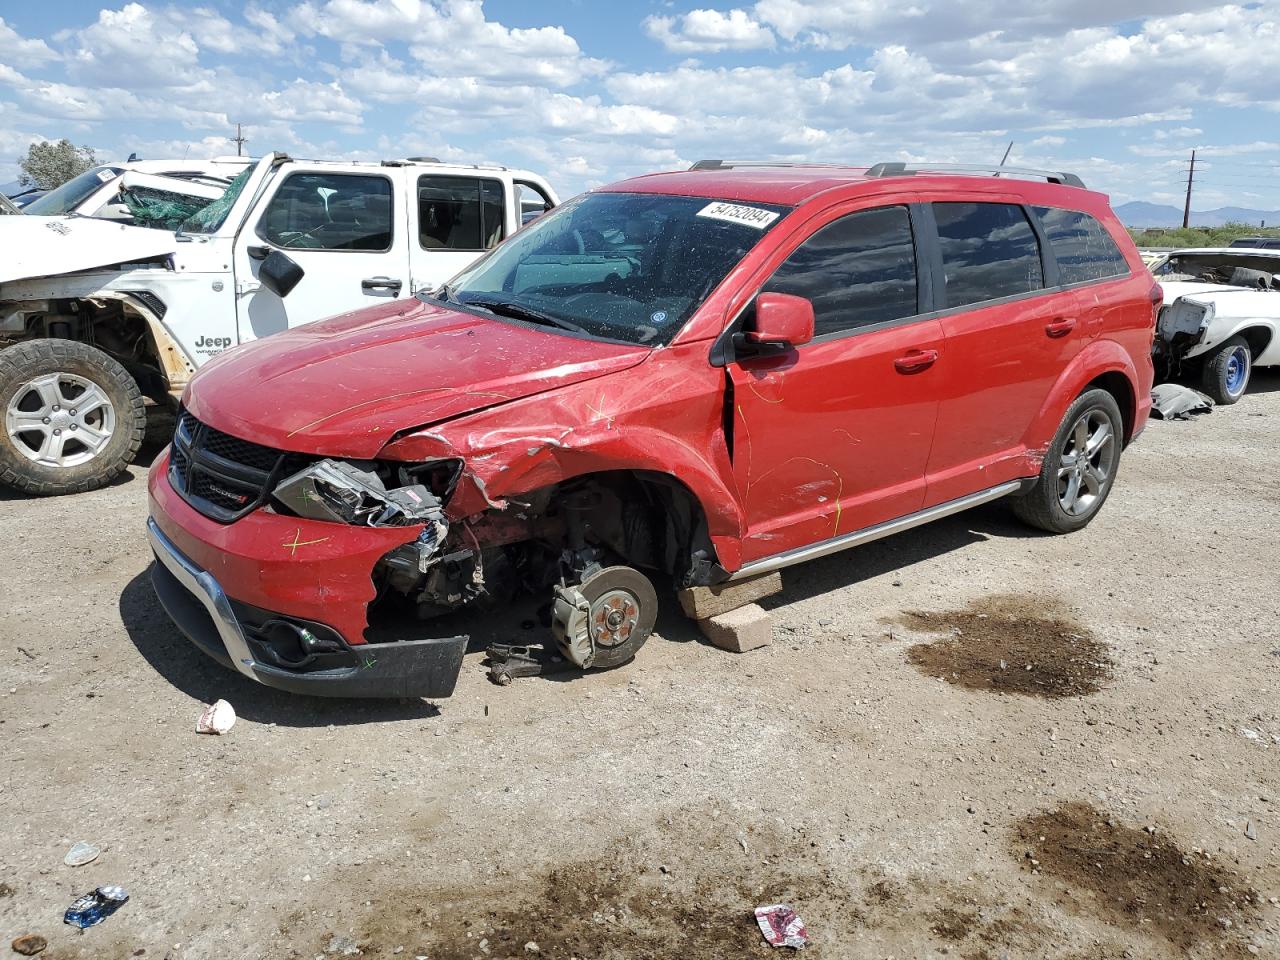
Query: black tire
{"x": 1045, "y": 505}
{"x": 122, "y": 419}
{"x": 1225, "y": 374}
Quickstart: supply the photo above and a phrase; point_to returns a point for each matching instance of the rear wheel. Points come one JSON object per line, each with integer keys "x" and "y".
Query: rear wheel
{"x": 1225, "y": 376}
{"x": 1079, "y": 469}
{"x": 73, "y": 418}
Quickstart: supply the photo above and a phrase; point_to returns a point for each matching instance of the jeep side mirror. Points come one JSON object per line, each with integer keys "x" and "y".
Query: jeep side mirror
{"x": 782, "y": 321}
{"x": 279, "y": 273}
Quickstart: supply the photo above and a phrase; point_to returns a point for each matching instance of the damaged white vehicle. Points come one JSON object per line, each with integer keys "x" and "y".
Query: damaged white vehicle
{"x": 96, "y": 315}
{"x": 1221, "y": 316}
{"x": 129, "y": 191}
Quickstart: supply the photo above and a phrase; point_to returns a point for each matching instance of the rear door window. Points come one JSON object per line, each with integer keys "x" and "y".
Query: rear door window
{"x": 460, "y": 213}
{"x": 329, "y": 211}
{"x": 989, "y": 251}
{"x": 1082, "y": 246}
{"x": 857, "y": 271}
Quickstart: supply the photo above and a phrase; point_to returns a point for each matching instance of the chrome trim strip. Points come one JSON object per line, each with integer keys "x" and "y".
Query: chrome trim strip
{"x": 208, "y": 591}
{"x": 888, "y": 528}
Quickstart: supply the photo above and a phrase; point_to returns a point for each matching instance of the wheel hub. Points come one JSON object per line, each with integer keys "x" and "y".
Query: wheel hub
{"x": 613, "y": 617}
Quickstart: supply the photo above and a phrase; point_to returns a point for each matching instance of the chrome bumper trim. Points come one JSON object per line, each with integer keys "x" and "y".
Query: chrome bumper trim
{"x": 207, "y": 590}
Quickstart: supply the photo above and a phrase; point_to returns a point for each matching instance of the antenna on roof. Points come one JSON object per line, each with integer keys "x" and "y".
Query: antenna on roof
{"x": 1007, "y": 150}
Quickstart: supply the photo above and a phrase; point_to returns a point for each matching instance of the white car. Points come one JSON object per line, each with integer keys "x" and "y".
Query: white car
{"x": 101, "y": 191}
{"x": 1221, "y": 316}
{"x": 95, "y": 315}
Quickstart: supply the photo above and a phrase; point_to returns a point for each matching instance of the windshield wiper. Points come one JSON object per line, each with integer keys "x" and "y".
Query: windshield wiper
{"x": 519, "y": 311}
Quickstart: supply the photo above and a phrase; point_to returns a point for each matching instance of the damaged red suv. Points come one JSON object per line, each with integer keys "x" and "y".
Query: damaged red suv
{"x": 691, "y": 377}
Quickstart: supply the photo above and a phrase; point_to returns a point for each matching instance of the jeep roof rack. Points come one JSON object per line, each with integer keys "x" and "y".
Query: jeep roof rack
{"x": 911, "y": 169}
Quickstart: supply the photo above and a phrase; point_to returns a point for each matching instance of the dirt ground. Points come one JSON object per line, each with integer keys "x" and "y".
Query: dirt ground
{"x": 967, "y": 741}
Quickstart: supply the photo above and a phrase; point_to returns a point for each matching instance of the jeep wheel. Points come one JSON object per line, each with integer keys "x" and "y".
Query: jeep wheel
{"x": 73, "y": 417}
{"x": 1080, "y": 468}
{"x": 1225, "y": 376}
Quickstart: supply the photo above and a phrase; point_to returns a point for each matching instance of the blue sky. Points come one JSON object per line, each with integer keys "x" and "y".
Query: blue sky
{"x": 588, "y": 91}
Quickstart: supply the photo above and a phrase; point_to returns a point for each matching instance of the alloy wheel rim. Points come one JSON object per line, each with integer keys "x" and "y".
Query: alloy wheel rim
{"x": 59, "y": 420}
{"x": 1084, "y": 466}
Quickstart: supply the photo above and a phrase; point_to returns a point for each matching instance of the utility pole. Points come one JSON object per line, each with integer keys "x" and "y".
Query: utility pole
{"x": 1191, "y": 175}
{"x": 239, "y": 140}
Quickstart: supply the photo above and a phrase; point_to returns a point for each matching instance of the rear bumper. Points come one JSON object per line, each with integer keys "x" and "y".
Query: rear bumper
{"x": 201, "y": 609}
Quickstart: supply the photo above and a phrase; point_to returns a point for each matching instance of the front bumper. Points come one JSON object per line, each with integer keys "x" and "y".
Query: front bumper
{"x": 201, "y": 609}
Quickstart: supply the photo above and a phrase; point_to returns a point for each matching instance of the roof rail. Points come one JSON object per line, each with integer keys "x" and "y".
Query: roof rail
{"x": 730, "y": 164}
{"x": 910, "y": 170}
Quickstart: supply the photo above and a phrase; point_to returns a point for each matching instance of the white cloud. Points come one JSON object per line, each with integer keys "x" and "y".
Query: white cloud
{"x": 23, "y": 52}
{"x": 709, "y": 31}
{"x": 453, "y": 38}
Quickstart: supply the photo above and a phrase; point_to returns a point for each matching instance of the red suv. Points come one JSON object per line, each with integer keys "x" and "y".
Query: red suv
{"x": 698, "y": 376}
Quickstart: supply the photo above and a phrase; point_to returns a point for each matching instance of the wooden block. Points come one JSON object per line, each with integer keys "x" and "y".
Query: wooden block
{"x": 703, "y": 602}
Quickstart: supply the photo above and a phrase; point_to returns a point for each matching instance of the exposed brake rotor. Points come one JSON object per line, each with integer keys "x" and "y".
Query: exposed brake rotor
{"x": 604, "y": 620}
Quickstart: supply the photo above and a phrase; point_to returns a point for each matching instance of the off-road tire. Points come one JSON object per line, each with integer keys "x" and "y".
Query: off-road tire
{"x": 22, "y": 363}
{"x": 1218, "y": 378}
{"x": 1041, "y": 506}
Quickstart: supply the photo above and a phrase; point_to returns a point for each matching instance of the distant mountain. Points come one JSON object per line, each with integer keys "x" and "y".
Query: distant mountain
{"x": 1139, "y": 214}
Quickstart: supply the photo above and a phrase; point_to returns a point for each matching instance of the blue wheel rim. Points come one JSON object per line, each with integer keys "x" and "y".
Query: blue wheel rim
{"x": 1237, "y": 370}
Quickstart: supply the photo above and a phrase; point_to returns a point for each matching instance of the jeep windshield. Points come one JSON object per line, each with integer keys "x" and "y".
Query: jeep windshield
{"x": 623, "y": 266}
{"x": 210, "y": 218}
{"x": 64, "y": 199}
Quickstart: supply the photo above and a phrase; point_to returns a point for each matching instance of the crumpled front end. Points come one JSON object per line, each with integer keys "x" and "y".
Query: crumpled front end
{"x": 283, "y": 599}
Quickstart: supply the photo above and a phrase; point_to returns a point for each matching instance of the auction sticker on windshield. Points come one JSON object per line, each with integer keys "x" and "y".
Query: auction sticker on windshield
{"x": 736, "y": 213}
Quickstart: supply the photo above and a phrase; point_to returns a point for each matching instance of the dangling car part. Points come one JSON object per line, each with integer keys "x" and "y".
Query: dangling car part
{"x": 604, "y": 620}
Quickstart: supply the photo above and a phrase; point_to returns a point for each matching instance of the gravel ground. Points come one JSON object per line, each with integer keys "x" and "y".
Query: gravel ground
{"x": 882, "y": 766}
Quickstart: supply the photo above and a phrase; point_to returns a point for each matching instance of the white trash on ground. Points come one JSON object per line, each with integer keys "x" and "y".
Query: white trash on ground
{"x": 80, "y": 854}
{"x": 218, "y": 717}
{"x": 782, "y": 926}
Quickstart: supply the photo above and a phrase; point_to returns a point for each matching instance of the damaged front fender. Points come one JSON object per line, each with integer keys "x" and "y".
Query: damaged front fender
{"x": 630, "y": 425}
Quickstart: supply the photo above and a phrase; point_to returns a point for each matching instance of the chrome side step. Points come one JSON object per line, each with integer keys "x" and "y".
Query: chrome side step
{"x": 866, "y": 535}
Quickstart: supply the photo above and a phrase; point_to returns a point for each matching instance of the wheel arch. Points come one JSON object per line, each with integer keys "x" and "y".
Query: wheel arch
{"x": 1121, "y": 388}
{"x": 1258, "y": 332}
{"x": 161, "y": 370}
{"x": 1104, "y": 364}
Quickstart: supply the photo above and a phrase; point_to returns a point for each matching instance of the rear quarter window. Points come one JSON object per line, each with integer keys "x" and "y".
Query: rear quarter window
{"x": 1083, "y": 248}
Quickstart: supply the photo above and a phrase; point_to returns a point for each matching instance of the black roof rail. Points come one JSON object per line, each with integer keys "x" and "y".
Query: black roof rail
{"x": 911, "y": 169}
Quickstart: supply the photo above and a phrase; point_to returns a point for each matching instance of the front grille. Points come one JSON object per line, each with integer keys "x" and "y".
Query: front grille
{"x": 223, "y": 476}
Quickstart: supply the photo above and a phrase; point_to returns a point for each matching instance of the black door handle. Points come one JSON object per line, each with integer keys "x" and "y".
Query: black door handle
{"x": 381, "y": 283}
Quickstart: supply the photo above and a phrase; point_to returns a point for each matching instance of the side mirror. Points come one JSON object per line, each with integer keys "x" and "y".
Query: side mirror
{"x": 279, "y": 273}
{"x": 783, "y": 321}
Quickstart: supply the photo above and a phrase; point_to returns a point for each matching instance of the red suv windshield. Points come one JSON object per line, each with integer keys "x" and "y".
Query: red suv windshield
{"x": 625, "y": 266}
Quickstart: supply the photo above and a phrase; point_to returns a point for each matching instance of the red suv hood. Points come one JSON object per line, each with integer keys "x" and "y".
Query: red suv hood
{"x": 347, "y": 386}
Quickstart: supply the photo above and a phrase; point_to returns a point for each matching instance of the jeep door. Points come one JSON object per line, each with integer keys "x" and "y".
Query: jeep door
{"x": 345, "y": 229}
{"x": 834, "y": 435}
{"x": 454, "y": 221}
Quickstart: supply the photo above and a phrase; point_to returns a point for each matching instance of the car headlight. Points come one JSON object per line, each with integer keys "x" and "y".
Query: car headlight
{"x": 358, "y": 493}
